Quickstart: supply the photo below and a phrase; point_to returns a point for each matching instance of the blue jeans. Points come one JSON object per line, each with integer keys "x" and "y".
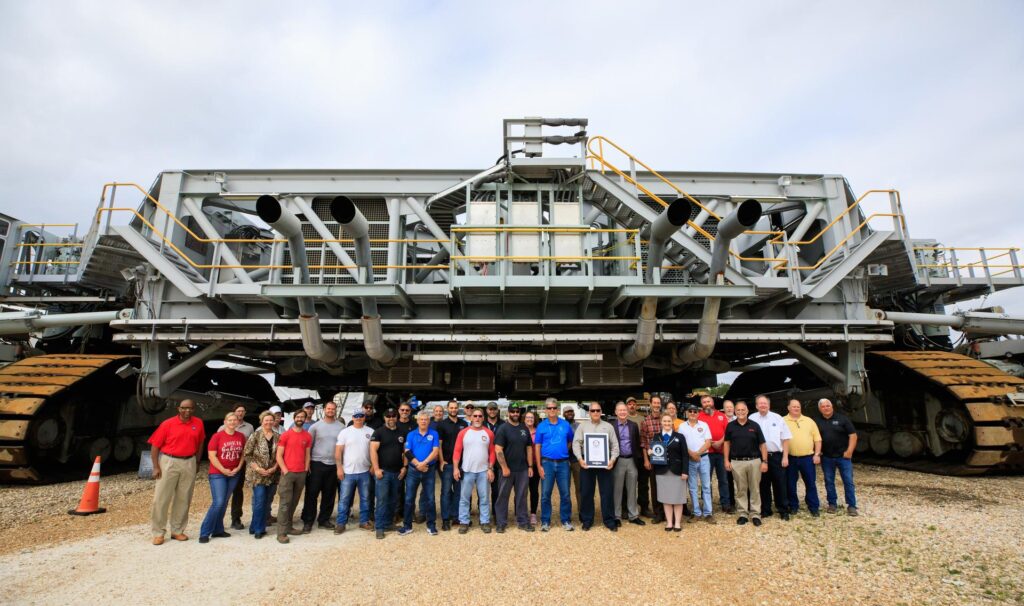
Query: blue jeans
{"x": 262, "y": 496}
{"x": 221, "y": 487}
{"x": 387, "y": 486}
{"x": 555, "y": 471}
{"x": 717, "y": 460}
{"x": 451, "y": 493}
{"x": 804, "y": 466}
{"x": 479, "y": 481}
{"x": 346, "y": 494}
{"x": 828, "y": 469}
{"x": 700, "y": 471}
{"x": 414, "y": 478}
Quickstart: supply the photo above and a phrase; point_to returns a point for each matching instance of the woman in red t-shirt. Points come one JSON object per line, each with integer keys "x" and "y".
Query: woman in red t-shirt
{"x": 225, "y": 453}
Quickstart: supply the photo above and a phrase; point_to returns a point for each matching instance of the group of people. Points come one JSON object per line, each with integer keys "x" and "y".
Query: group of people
{"x": 652, "y": 459}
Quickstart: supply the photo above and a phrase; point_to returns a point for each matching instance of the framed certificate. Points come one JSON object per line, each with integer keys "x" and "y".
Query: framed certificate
{"x": 596, "y": 452}
{"x": 658, "y": 456}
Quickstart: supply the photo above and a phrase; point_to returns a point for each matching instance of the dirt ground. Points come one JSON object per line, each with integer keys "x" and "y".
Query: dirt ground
{"x": 921, "y": 539}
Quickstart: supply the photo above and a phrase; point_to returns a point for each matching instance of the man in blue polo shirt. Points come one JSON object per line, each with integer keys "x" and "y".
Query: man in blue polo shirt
{"x": 422, "y": 449}
{"x": 551, "y": 447}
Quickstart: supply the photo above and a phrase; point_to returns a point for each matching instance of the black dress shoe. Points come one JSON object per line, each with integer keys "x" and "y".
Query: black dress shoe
{"x": 638, "y": 522}
{"x": 613, "y": 528}
{"x": 204, "y": 540}
{"x": 237, "y": 525}
{"x": 757, "y": 521}
{"x": 220, "y": 535}
{"x": 618, "y": 523}
{"x": 741, "y": 521}
{"x": 785, "y": 516}
{"x": 328, "y": 525}
{"x": 446, "y": 525}
{"x": 586, "y": 527}
{"x": 259, "y": 535}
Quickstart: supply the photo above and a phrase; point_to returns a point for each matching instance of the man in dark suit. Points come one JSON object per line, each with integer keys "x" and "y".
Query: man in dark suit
{"x": 632, "y": 458}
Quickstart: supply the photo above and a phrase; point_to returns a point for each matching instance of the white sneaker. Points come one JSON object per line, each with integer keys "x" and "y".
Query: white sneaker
{"x": 568, "y": 527}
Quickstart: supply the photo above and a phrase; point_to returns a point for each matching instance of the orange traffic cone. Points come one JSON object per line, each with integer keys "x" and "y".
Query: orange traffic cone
{"x": 91, "y": 495}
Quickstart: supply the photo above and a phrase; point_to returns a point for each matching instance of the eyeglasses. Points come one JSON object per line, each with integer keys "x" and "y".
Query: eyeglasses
{"x": 692, "y": 412}
{"x": 478, "y": 416}
{"x": 595, "y": 410}
{"x": 391, "y": 416}
{"x": 551, "y": 408}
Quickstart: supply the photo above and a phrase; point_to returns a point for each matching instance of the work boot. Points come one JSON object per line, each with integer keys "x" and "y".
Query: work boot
{"x": 446, "y": 525}
{"x": 830, "y": 509}
{"x": 339, "y": 529}
{"x": 851, "y": 511}
{"x": 283, "y": 538}
{"x": 307, "y": 528}
{"x": 366, "y": 526}
{"x": 328, "y": 525}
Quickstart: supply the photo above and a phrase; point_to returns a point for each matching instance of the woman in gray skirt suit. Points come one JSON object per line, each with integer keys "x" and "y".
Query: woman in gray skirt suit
{"x": 670, "y": 476}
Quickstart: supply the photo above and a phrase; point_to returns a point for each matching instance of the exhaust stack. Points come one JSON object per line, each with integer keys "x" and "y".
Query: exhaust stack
{"x": 345, "y": 212}
{"x": 667, "y": 223}
{"x": 287, "y": 224}
{"x": 743, "y": 218}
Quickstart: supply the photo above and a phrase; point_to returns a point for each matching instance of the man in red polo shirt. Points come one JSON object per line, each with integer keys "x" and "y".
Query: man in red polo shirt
{"x": 717, "y": 421}
{"x": 176, "y": 444}
{"x": 293, "y": 451}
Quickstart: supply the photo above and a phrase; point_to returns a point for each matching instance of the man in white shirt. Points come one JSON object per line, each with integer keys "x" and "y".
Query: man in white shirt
{"x": 776, "y": 439}
{"x": 698, "y": 442}
{"x": 352, "y": 457}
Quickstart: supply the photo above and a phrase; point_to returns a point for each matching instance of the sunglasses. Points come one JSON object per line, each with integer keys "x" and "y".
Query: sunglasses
{"x": 551, "y": 408}
{"x": 478, "y": 416}
{"x": 392, "y": 416}
{"x": 595, "y": 410}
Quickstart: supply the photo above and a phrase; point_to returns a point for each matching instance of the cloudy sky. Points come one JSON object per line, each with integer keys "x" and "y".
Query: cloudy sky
{"x": 926, "y": 97}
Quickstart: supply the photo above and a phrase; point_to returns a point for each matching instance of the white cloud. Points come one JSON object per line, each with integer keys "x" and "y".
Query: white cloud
{"x": 923, "y": 96}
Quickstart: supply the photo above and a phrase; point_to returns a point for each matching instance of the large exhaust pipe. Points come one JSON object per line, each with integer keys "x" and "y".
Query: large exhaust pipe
{"x": 287, "y": 224}
{"x": 667, "y": 223}
{"x": 743, "y": 218}
{"x": 345, "y": 212}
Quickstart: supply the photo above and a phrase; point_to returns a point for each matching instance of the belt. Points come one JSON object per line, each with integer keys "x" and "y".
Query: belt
{"x": 774, "y": 453}
{"x": 177, "y": 457}
{"x": 744, "y": 458}
{"x": 553, "y": 460}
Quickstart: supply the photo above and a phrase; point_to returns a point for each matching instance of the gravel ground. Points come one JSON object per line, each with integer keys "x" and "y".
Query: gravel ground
{"x": 921, "y": 539}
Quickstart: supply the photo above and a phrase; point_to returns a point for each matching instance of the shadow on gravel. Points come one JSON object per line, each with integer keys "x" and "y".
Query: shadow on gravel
{"x": 931, "y": 495}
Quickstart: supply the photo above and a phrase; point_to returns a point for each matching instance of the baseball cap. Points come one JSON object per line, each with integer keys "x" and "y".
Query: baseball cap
{"x": 358, "y": 413}
{"x": 514, "y": 407}
{"x": 630, "y": 399}
{"x": 275, "y": 409}
{"x": 692, "y": 407}
{"x": 492, "y": 405}
{"x": 309, "y": 404}
{"x": 391, "y": 412}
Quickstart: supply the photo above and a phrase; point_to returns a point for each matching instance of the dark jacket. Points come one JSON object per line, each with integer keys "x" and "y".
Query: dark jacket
{"x": 678, "y": 455}
{"x": 634, "y": 439}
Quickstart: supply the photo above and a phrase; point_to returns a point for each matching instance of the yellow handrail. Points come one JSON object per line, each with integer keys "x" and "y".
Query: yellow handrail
{"x": 199, "y": 238}
{"x": 538, "y": 258}
{"x": 195, "y": 265}
{"x": 51, "y": 244}
{"x": 779, "y": 239}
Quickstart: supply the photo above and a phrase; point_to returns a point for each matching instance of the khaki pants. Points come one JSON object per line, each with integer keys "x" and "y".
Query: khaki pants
{"x": 174, "y": 491}
{"x": 747, "y": 475}
{"x": 289, "y": 492}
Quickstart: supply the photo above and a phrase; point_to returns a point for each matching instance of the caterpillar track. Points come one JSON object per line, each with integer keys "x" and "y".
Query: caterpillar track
{"x": 991, "y": 400}
{"x": 41, "y": 400}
